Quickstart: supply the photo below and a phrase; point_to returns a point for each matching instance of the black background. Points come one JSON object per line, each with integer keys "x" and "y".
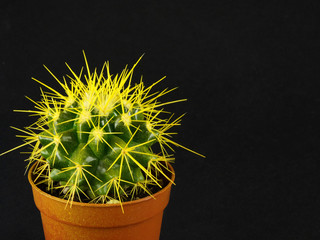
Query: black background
{"x": 250, "y": 72}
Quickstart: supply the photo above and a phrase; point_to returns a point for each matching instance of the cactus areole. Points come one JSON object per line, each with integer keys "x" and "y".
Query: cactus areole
{"x": 102, "y": 139}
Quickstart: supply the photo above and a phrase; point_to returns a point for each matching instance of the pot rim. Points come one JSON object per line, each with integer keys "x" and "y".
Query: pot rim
{"x": 100, "y": 205}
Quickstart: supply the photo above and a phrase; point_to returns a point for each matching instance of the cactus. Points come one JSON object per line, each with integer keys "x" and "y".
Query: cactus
{"x": 97, "y": 140}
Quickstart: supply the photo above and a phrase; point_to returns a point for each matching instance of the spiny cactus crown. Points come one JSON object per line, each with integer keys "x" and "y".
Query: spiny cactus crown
{"x": 95, "y": 140}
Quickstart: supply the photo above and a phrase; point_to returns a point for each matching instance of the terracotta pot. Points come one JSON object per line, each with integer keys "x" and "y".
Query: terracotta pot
{"x": 141, "y": 218}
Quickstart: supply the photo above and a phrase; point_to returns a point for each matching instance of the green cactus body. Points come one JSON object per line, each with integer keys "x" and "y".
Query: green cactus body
{"x": 95, "y": 141}
{"x": 87, "y": 155}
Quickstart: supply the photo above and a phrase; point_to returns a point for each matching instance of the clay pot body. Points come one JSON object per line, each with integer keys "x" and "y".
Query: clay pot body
{"x": 141, "y": 218}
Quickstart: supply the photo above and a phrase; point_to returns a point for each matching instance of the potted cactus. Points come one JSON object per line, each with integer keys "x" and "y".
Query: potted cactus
{"x": 100, "y": 154}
